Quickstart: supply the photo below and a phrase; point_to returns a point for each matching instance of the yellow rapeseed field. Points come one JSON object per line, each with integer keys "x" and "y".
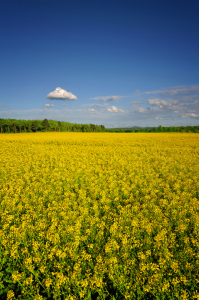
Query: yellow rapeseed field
{"x": 99, "y": 216}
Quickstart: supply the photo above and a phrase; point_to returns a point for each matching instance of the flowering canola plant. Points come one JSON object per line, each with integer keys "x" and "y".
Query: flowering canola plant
{"x": 99, "y": 216}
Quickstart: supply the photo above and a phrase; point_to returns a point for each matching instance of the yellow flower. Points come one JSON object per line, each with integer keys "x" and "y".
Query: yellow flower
{"x": 10, "y": 295}
{"x": 16, "y": 276}
{"x": 79, "y": 210}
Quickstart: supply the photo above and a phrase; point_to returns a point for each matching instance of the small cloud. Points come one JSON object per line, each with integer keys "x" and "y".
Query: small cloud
{"x": 158, "y": 118}
{"x": 98, "y": 105}
{"x": 196, "y": 101}
{"x": 142, "y": 109}
{"x": 61, "y": 94}
{"x": 64, "y": 104}
{"x": 48, "y": 105}
{"x": 93, "y": 111}
{"x": 183, "y": 90}
{"x": 114, "y": 109}
{"x": 169, "y": 92}
{"x": 137, "y": 91}
{"x": 134, "y": 103}
{"x": 108, "y": 98}
{"x": 157, "y": 101}
{"x": 190, "y": 115}
{"x": 165, "y": 104}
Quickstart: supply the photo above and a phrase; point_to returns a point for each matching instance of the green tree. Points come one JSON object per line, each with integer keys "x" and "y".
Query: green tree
{"x": 79, "y": 127}
{"x": 92, "y": 127}
{"x": 14, "y": 126}
{"x": 24, "y": 124}
{"x": 35, "y": 125}
{"x": 52, "y": 125}
{"x": 45, "y": 124}
{"x": 1, "y": 124}
{"x": 85, "y": 128}
{"x": 28, "y": 126}
{"x": 19, "y": 125}
{"x": 59, "y": 126}
{"x": 40, "y": 126}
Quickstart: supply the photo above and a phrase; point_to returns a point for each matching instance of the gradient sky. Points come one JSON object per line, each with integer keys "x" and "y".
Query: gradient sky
{"x": 117, "y": 63}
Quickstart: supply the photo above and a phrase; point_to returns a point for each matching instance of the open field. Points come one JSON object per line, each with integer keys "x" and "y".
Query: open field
{"x": 99, "y": 216}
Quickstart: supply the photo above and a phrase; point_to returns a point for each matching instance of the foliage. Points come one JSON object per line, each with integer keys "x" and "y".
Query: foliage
{"x": 19, "y": 126}
{"x": 189, "y": 129}
{"x": 106, "y": 216}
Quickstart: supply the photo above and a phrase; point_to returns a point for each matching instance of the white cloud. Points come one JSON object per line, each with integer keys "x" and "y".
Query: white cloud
{"x": 142, "y": 109}
{"x": 182, "y": 89}
{"x": 61, "y": 94}
{"x": 190, "y": 115}
{"x": 157, "y": 101}
{"x": 134, "y": 103}
{"x": 48, "y": 105}
{"x": 169, "y": 92}
{"x": 158, "y": 118}
{"x": 108, "y": 98}
{"x": 64, "y": 104}
{"x": 164, "y": 104}
{"x": 93, "y": 111}
{"x": 98, "y": 105}
{"x": 114, "y": 109}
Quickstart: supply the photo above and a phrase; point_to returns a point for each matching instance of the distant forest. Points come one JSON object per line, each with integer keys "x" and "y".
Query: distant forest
{"x": 194, "y": 129}
{"x": 19, "y": 126}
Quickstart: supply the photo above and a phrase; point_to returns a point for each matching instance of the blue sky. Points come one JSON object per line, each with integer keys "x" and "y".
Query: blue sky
{"x": 116, "y": 63}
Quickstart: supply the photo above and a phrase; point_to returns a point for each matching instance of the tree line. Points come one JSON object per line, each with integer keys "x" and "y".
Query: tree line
{"x": 194, "y": 129}
{"x": 19, "y": 126}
